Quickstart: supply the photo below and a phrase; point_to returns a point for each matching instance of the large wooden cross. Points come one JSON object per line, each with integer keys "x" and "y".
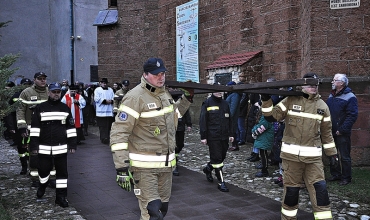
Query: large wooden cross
{"x": 271, "y": 88}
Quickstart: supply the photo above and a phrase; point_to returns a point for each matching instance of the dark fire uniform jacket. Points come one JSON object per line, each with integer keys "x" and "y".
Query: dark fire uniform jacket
{"x": 52, "y": 130}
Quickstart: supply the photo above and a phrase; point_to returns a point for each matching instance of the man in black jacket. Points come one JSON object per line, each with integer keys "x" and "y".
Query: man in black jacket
{"x": 53, "y": 134}
{"x": 216, "y": 131}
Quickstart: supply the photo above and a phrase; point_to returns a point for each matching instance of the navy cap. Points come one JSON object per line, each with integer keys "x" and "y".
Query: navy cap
{"x": 125, "y": 82}
{"x": 310, "y": 75}
{"x": 154, "y": 66}
{"x": 26, "y": 81}
{"x": 38, "y": 74}
{"x": 55, "y": 86}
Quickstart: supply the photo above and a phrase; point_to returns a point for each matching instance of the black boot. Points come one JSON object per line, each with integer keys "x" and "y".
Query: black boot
{"x": 41, "y": 190}
{"x": 263, "y": 173}
{"x": 208, "y": 171}
{"x": 221, "y": 183}
{"x": 222, "y": 187}
{"x": 24, "y": 166}
{"x": 61, "y": 201}
{"x": 255, "y": 158}
{"x": 251, "y": 156}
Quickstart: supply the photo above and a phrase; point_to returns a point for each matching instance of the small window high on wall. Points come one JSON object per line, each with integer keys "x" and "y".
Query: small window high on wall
{"x": 112, "y": 3}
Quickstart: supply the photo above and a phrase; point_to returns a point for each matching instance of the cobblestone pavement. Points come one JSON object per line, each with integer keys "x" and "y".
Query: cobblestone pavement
{"x": 19, "y": 198}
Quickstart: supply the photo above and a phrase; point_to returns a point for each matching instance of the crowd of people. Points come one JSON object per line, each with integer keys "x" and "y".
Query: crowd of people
{"x": 145, "y": 129}
{"x": 51, "y": 120}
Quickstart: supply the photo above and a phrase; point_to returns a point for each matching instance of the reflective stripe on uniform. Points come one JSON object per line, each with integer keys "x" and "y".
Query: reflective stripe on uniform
{"x": 24, "y": 154}
{"x": 212, "y": 108}
{"x": 217, "y": 165}
{"x": 178, "y": 113}
{"x": 61, "y": 183}
{"x": 71, "y": 132}
{"x": 305, "y": 115}
{"x": 53, "y": 172}
{"x": 145, "y": 164}
{"x": 266, "y": 110}
{"x": 119, "y": 146}
{"x": 323, "y": 215}
{"x": 44, "y": 180}
{"x": 35, "y": 132}
{"x": 326, "y": 119}
{"x": 150, "y": 158}
{"x": 49, "y": 116}
{"x": 156, "y": 113}
{"x": 34, "y": 173}
{"x": 32, "y": 102}
{"x": 54, "y": 150}
{"x": 330, "y": 145}
{"x": 21, "y": 122}
{"x": 289, "y": 213}
{"x": 130, "y": 111}
{"x": 282, "y": 106}
{"x": 301, "y": 150}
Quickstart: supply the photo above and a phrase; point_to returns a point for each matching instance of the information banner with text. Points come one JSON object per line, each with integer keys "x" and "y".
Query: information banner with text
{"x": 342, "y": 4}
{"x": 187, "y": 59}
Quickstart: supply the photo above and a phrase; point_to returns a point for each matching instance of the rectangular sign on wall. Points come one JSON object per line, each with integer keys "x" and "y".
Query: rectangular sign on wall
{"x": 187, "y": 59}
{"x": 341, "y": 4}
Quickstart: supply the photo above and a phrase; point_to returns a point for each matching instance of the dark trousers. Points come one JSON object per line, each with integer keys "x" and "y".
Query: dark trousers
{"x": 180, "y": 136}
{"x": 217, "y": 150}
{"x": 264, "y": 155}
{"x": 343, "y": 145}
{"x": 45, "y": 165}
{"x": 105, "y": 124}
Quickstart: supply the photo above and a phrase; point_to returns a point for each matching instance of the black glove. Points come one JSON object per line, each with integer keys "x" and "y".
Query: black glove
{"x": 334, "y": 161}
{"x": 265, "y": 97}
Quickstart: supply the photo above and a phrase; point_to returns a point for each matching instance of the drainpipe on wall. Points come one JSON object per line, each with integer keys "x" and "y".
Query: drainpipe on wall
{"x": 72, "y": 45}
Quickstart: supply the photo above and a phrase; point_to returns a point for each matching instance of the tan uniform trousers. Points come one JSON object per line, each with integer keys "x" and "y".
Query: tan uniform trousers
{"x": 152, "y": 184}
{"x": 297, "y": 173}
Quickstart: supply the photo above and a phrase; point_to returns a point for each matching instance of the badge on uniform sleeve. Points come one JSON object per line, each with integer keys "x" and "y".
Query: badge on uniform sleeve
{"x": 71, "y": 121}
{"x": 226, "y": 115}
{"x": 137, "y": 192}
{"x": 320, "y": 111}
{"x": 122, "y": 116}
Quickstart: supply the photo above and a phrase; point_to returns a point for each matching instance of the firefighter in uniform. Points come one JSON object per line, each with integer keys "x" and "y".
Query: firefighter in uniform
{"x": 216, "y": 130}
{"x": 53, "y": 133}
{"x": 119, "y": 95}
{"x": 142, "y": 140}
{"x": 307, "y": 132}
{"x": 18, "y": 140}
{"x": 30, "y": 97}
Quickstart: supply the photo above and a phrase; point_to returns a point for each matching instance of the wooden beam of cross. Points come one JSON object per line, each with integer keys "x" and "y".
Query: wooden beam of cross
{"x": 271, "y": 88}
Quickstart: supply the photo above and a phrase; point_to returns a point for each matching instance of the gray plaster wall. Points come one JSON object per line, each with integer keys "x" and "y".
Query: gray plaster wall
{"x": 40, "y": 32}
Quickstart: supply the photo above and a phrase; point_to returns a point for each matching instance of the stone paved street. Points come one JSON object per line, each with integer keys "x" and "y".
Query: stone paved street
{"x": 20, "y": 199}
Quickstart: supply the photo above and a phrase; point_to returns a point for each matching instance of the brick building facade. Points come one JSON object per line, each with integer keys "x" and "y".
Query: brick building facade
{"x": 294, "y": 36}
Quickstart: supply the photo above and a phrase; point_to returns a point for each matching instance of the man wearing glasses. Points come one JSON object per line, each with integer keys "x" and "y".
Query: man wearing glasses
{"x": 53, "y": 135}
{"x": 29, "y": 98}
{"x": 344, "y": 111}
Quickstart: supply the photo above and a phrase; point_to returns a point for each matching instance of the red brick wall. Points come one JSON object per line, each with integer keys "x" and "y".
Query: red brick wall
{"x": 295, "y": 37}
